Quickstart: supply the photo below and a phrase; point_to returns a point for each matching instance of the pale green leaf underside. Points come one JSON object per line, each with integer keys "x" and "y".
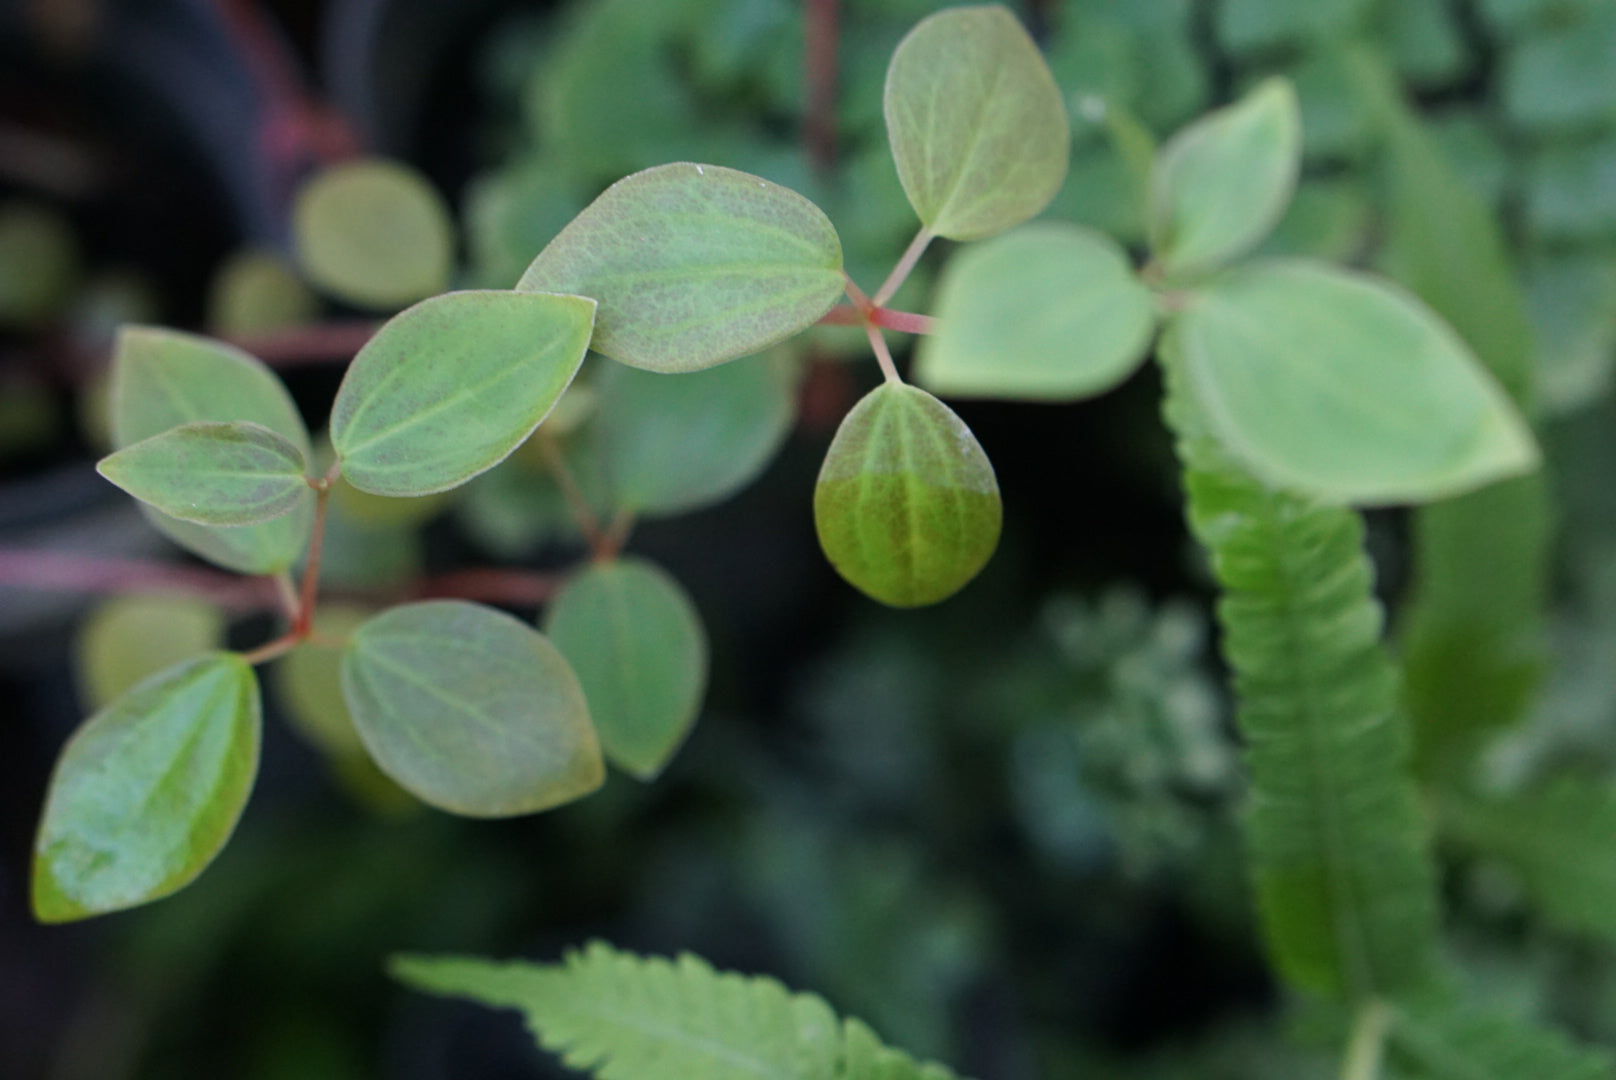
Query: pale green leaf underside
{"x": 1050, "y": 312}
{"x": 636, "y": 641}
{"x": 977, "y": 125}
{"x": 1338, "y": 848}
{"x": 623, "y": 1017}
{"x": 694, "y": 265}
{"x": 1223, "y": 183}
{"x": 470, "y": 710}
{"x": 148, "y": 790}
{"x": 212, "y": 473}
{"x": 448, "y": 388}
{"x": 162, "y": 379}
{"x": 1335, "y": 384}
{"x": 1456, "y": 1041}
{"x": 907, "y": 507}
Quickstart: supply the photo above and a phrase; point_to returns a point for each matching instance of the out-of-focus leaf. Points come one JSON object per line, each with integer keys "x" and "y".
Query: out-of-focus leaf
{"x": 1426, "y": 42}
{"x": 39, "y": 261}
{"x": 1251, "y": 26}
{"x": 254, "y": 292}
{"x": 1329, "y": 219}
{"x": 1458, "y": 1041}
{"x": 128, "y": 638}
{"x": 1561, "y": 79}
{"x": 1571, "y": 192}
{"x": 511, "y": 214}
{"x": 1572, "y": 301}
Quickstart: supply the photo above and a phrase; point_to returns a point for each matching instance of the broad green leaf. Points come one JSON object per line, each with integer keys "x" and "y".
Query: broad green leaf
{"x": 148, "y": 790}
{"x": 675, "y": 443}
{"x": 1048, "y": 312}
{"x": 450, "y": 387}
{"x": 162, "y": 379}
{"x": 866, "y": 1057}
{"x": 212, "y": 473}
{"x": 977, "y": 125}
{"x": 636, "y": 641}
{"x": 39, "y": 262}
{"x": 129, "y": 638}
{"x": 1329, "y": 382}
{"x": 255, "y": 292}
{"x": 694, "y": 265}
{"x": 470, "y": 710}
{"x": 1455, "y": 1040}
{"x": 374, "y": 233}
{"x": 1338, "y": 847}
{"x": 1250, "y": 26}
{"x": 907, "y": 507}
{"x": 1223, "y": 183}
{"x": 1337, "y": 124}
{"x": 1561, "y": 79}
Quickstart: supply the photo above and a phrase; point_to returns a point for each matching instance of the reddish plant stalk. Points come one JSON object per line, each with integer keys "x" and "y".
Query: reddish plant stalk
{"x": 822, "y": 30}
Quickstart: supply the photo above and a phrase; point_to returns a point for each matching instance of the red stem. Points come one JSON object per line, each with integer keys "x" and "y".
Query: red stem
{"x": 319, "y": 343}
{"x": 820, "y": 71}
{"x": 64, "y": 571}
{"x": 905, "y": 322}
{"x": 518, "y": 587}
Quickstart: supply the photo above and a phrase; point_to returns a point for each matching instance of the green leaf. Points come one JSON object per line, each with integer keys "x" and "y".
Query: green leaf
{"x": 39, "y": 264}
{"x": 1571, "y": 298}
{"x": 1571, "y": 192}
{"x": 623, "y": 1017}
{"x": 694, "y": 265}
{"x": 1459, "y": 1041}
{"x": 907, "y": 507}
{"x": 1427, "y": 42}
{"x": 470, "y": 710}
{"x": 374, "y": 233}
{"x": 636, "y": 641}
{"x": 977, "y": 125}
{"x": 1048, "y": 312}
{"x": 1344, "y": 879}
{"x": 162, "y": 379}
{"x": 1248, "y": 26}
{"x": 1332, "y": 383}
{"x": 450, "y": 387}
{"x": 1559, "y": 80}
{"x": 211, "y": 473}
{"x": 675, "y": 443}
{"x": 1222, "y": 184}
{"x": 255, "y": 292}
{"x": 148, "y": 790}
{"x": 129, "y": 638}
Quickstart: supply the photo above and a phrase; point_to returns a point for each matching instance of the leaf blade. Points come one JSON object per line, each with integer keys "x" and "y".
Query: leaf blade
{"x": 212, "y": 473}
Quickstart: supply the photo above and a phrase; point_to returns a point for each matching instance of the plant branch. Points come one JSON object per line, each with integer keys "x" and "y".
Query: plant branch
{"x": 318, "y": 343}
{"x": 883, "y": 355}
{"x": 820, "y": 72}
{"x": 494, "y": 585}
{"x": 62, "y": 571}
{"x": 1368, "y": 1042}
{"x": 309, "y": 594}
{"x": 271, "y": 650}
{"x": 906, "y": 322}
{"x": 588, "y": 521}
{"x": 906, "y": 264}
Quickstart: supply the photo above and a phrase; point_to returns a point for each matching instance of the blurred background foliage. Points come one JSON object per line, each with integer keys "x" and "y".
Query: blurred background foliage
{"x": 1003, "y": 830}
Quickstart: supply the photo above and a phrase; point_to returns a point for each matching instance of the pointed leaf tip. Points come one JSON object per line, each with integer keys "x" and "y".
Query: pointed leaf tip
{"x": 213, "y": 473}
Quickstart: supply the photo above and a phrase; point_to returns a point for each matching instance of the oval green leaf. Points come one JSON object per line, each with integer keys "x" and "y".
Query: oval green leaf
{"x": 127, "y": 639}
{"x": 1050, "y": 312}
{"x": 636, "y": 641}
{"x": 470, "y": 710}
{"x": 212, "y": 473}
{"x": 162, "y": 379}
{"x": 694, "y": 265}
{"x": 1341, "y": 386}
{"x": 907, "y": 507}
{"x": 450, "y": 387}
{"x": 977, "y": 125}
{"x": 255, "y": 292}
{"x": 147, "y": 792}
{"x": 672, "y": 444}
{"x": 374, "y": 233}
{"x": 1223, "y": 183}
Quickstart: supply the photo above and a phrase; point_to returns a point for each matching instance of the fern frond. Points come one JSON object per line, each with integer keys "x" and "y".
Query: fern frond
{"x": 1560, "y": 840}
{"x": 1459, "y": 1042}
{"x": 1338, "y": 846}
{"x": 625, "y": 1017}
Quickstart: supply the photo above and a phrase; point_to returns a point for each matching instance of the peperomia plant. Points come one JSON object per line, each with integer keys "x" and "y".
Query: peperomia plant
{"x": 1297, "y": 392}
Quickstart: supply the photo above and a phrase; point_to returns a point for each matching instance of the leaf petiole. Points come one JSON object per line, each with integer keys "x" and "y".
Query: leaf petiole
{"x": 906, "y": 264}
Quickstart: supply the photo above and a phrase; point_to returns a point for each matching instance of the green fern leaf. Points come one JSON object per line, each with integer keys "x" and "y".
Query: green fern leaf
{"x": 1338, "y": 847}
{"x": 625, "y": 1017}
{"x": 1459, "y": 1042}
{"x": 1558, "y": 841}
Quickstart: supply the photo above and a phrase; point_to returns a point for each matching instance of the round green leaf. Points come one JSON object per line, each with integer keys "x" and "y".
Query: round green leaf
{"x": 162, "y": 379}
{"x": 674, "y": 443}
{"x": 637, "y": 644}
{"x": 212, "y": 473}
{"x": 1048, "y": 312}
{"x": 1222, "y": 184}
{"x": 129, "y": 638}
{"x": 450, "y": 387}
{"x": 1342, "y": 386}
{"x": 907, "y": 507}
{"x": 147, "y": 792}
{"x": 374, "y": 233}
{"x": 977, "y": 125}
{"x": 694, "y": 265}
{"x": 470, "y": 710}
{"x": 255, "y": 292}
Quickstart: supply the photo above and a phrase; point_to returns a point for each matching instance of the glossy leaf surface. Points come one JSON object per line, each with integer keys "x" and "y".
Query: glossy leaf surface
{"x": 1332, "y": 383}
{"x": 907, "y": 507}
{"x": 374, "y": 233}
{"x": 128, "y": 639}
{"x": 162, "y": 379}
{"x": 450, "y": 387}
{"x": 470, "y": 710}
{"x": 148, "y": 790}
{"x": 212, "y": 473}
{"x": 636, "y": 641}
{"x": 977, "y": 125}
{"x": 1048, "y": 312}
{"x": 1223, "y": 183}
{"x": 694, "y": 265}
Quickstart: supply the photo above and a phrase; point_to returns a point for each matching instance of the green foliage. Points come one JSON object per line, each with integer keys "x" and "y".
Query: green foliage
{"x": 255, "y": 292}
{"x": 907, "y": 507}
{"x": 1443, "y": 1040}
{"x": 129, "y": 638}
{"x": 148, "y": 790}
{"x": 470, "y": 710}
{"x": 39, "y": 262}
{"x": 1560, "y": 79}
{"x": 211, "y": 473}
